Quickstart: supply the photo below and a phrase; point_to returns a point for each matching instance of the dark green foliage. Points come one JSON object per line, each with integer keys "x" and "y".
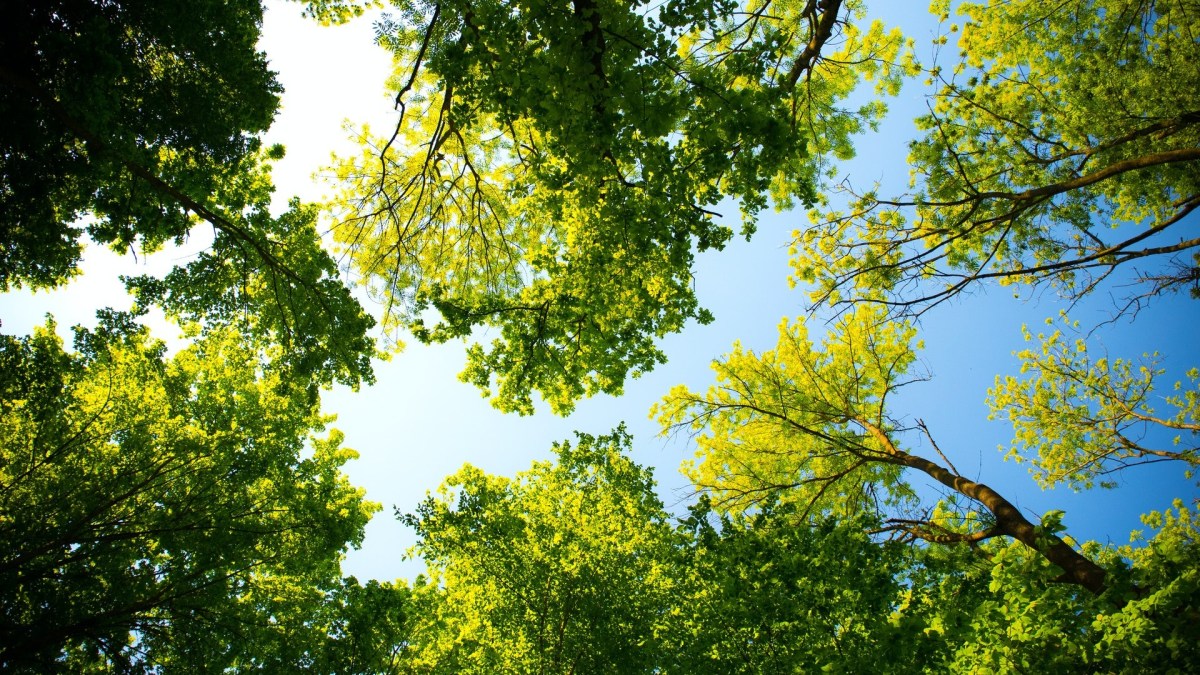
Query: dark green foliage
{"x": 97, "y": 94}
{"x": 130, "y": 121}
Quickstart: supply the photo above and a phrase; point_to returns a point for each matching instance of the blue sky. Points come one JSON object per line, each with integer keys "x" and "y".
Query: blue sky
{"x": 419, "y": 423}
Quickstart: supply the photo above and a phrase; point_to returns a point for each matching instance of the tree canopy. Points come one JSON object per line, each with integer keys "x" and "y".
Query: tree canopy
{"x": 554, "y": 169}
{"x": 153, "y": 507}
{"x": 147, "y": 504}
{"x": 1061, "y": 144}
{"x": 573, "y": 566}
{"x": 562, "y": 569}
{"x": 552, "y": 173}
{"x": 140, "y": 130}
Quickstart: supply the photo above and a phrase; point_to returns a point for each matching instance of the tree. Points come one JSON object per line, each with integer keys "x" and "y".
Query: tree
{"x": 1079, "y": 418}
{"x": 572, "y": 566}
{"x": 996, "y": 614}
{"x": 1063, "y": 145}
{"x": 808, "y": 428}
{"x": 769, "y": 592}
{"x": 129, "y": 122}
{"x": 811, "y": 425}
{"x": 554, "y": 169}
{"x": 562, "y": 569}
{"x": 146, "y": 501}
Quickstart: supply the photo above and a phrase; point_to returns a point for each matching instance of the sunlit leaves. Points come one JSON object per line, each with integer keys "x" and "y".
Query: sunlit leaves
{"x": 1056, "y": 148}
{"x": 1078, "y": 417}
{"x": 554, "y": 169}
{"x": 796, "y": 422}
{"x": 563, "y": 569}
{"x": 1002, "y": 615}
{"x": 1159, "y": 625}
{"x": 274, "y": 282}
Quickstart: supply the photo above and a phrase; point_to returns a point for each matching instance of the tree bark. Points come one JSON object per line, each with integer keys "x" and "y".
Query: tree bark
{"x": 1009, "y": 521}
{"x": 1076, "y": 567}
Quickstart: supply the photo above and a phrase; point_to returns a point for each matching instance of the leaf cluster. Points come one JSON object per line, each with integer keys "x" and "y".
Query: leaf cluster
{"x": 554, "y": 169}
{"x": 156, "y": 497}
{"x": 1060, "y": 145}
{"x": 1078, "y": 418}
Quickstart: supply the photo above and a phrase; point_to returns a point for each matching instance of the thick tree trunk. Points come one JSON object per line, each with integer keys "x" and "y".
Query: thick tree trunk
{"x": 1009, "y": 521}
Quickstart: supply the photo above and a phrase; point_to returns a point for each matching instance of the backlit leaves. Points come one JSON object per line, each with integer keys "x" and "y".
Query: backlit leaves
{"x": 555, "y": 168}
{"x": 1079, "y": 418}
{"x": 795, "y": 422}
{"x": 563, "y": 569}
{"x": 1059, "y": 147}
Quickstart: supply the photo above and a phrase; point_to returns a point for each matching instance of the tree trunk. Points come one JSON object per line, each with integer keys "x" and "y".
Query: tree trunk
{"x": 1009, "y": 521}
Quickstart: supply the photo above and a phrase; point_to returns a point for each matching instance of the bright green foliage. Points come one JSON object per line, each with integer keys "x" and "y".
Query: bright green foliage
{"x": 1015, "y": 619}
{"x": 993, "y": 609}
{"x": 147, "y": 503}
{"x": 1060, "y": 144}
{"x": 1160, "y": 627}
{"x": 571, "y": 567}
{"x": 769, "y": 593}
{"x": 563, "y": 569}
{"x": 1003, "y": 613}
{"x": 330, "y": 12}
{"x": 792, "y": 422}
{"x": 555, "y": 167}
{"x": 1078, "y": 418}
{"x": 806, "y": 427}
{"x": 809, "y": 426}
{"x": 143, "y": 128}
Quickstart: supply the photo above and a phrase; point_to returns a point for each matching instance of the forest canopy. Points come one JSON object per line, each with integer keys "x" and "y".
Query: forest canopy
{"x": 1059, "y": 146}
{"x": 141, "y": 132}
{"x": 554, "y": 169}
{"x": 550, "y": 177}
